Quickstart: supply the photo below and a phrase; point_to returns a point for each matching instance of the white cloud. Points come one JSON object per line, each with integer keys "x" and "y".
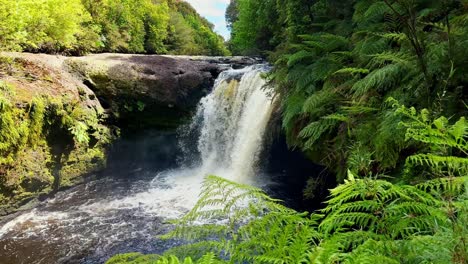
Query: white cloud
{"x": 214, "y": 11}
{"x": 210, "y": 7}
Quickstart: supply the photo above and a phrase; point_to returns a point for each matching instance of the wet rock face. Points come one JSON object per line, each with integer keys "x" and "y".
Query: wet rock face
{"x": 43, "y": 106}
{"x": 157, "y": 91}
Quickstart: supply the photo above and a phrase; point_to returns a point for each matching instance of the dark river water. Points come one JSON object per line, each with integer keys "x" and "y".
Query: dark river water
{"x": 119, "y": 212}
{"x": 128, "y": 206}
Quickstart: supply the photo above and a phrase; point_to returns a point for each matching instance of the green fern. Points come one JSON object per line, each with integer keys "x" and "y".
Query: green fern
{"x": 138, "y": 258}
{"x": 448, "y": 143}
{"x": 364, "y": 220}
{"x": 314, "y": 131}
{"x": 318, "y": 100}
{"x": 380, "y": 80}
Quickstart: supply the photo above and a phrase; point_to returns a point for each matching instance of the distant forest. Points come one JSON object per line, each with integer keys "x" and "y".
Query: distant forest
{"x": 76, "y": 27}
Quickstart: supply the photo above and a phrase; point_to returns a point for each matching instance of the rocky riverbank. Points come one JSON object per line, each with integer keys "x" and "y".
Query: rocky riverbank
{"x": 58, "y": 115}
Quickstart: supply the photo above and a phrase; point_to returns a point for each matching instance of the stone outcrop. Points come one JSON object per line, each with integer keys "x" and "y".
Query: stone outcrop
{"x": 59, "y": 113}
{"x": 145, "y": 91}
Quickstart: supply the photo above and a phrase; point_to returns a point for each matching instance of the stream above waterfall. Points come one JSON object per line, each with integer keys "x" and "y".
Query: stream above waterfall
{"x": 160, "y": 179}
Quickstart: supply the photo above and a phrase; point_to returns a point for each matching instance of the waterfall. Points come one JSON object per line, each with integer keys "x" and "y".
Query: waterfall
{"x": 231, "y": 123}
{"x": 92, "y": 221}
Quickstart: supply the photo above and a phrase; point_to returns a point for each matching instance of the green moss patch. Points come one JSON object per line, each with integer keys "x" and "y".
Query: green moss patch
{"x": 46, "y": 144}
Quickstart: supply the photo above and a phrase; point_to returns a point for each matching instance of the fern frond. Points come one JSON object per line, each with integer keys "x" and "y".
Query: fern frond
{"x": 456, "y": 185}
{"x": 315, "y": 130}
{"x": 316, "y": 101}
{"x": 356, "y": 109}
{"x": 394, "y": 36}
{"x": 293, "y": 107}
{"x": 299, "y": 57}
{"x": 400, "y": 58}
{"x": 376, "y": 11}
{"x": 440, "y": 163}
{"x": 352, "y": 71}
{"x": 379, "y": 80}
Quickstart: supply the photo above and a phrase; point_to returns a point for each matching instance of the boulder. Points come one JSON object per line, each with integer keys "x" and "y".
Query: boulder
{"x": 150, "y": 90}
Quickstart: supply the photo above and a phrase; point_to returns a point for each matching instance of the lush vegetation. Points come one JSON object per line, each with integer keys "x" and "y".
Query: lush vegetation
{"x": 337, "y": 63}
{"x": 46, "y": 141}
{"x": 365, "y": 220}
{"x": 350, "y": 76}
{"x": 130, "y": 26}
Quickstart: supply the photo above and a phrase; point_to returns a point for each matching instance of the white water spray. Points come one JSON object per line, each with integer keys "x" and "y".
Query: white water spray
{"x": 234, "y": 118}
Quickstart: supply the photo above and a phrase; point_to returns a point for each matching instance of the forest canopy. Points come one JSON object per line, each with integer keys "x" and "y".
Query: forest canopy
{"x": 128, "y": 26}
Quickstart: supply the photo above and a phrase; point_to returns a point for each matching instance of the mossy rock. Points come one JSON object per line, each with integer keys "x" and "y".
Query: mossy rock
{"x": 81, "y": 161}
{"x": 169, "y": 88}
{"x": 54, "y": 132}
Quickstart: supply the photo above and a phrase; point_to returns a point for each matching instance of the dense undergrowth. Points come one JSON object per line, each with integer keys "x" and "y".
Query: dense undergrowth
{"x": 82, "y": 26}
{"x": 337, "y": 63}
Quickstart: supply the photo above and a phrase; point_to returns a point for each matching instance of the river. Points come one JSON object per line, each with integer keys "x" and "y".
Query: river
{"x": 124, "y": 210}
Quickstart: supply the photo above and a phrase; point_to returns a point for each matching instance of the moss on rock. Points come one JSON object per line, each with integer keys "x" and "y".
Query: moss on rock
{"x": 47, "y": 142}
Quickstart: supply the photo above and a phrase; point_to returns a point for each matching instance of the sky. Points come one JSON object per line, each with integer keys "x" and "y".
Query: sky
{"x": 214, "y": 11}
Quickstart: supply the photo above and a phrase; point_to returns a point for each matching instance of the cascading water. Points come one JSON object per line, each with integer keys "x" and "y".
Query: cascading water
{"x": 233, "y": 120}
{"x": 90, "y": 222}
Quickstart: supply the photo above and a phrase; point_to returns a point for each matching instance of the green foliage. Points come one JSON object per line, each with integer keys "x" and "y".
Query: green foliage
{"x": 136, "y": 258}
{"x": 261, "y": 26}
{"x": 81, "y": 26}
{"x": 447, "y": 144}
{"x": 255, "y": 27}
{"x": 192, "y": 34}
{"x": 337, "y": 62}
{"x": 223, "y": 199}
{"x": 36, "y": 115}
{"x": 365, "y": 221}
{"x": 42, "y": 25}
{"x": 11, "y": 135}
{"x": 42, "y": 135}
